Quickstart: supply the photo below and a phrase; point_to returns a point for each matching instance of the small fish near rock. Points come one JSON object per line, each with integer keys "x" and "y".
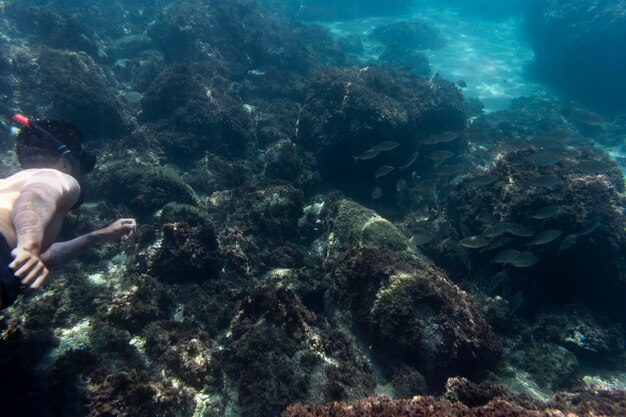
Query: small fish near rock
{"x": 544, "y": 212}
{"x": 382, "y": 171}
{"x": 474, "y": 242}
{"x": 368, "y": 154}
{"x": 545, "y": 237}
{"x": 387, "y": 146}
{"x": 524, "y": 260}
{"x": 505, "y": 257}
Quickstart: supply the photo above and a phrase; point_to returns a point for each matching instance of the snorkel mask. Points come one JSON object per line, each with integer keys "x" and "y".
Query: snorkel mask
{"x": 81, "y": 162}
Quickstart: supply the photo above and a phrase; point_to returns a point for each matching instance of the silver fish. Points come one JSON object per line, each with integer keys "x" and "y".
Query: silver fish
{"x": 497, "y": 229}
{"x": 368, "y": 154}
{"x": 517, "y": 301}
{"x": 542, "y": 159}
{"x": 427, "y": 185}
{"x": 474, "y": 242}
{"x": 421, "y": 239}
{"x": 519, "y": 230}
{"x": 545, "y": 212}
{"x": 377, "y": 193}
{"x": 387, "y": 146}
{"x": 544, "y": 181}
{"x": 465, "y": 230}
{"x": 464, "y": 257}
{"x": 446, "y": 170}
{"x": 440, "y": 155}
{"x": 591, "y": 225}
{"x": 382, "y": 170}
{"x": 591, "y": 166}
{"x": 500, "y": 278}
{"x": 410, "y": 161}
{"x": 524, "y": 260}
{"x": 556, "y": 136}
{"x": 589, "y": 118}
{"x": 481, "y": 180}
{"x": 544, "y": 237}
{"x": 496, "y": 243}
{"x": 486, "y": 218}
{"x": 401, "y": 185}
{"x": 568, "y": 242}
{"x": 505, "y": 257}
{"x": 439, "y": 138}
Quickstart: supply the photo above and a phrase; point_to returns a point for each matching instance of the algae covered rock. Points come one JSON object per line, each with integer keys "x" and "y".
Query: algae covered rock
{"x": 73, "y": 87}
{"x": 143, "y": 189}
{"x": 410, "y": 313}
{"x": 350, "y": 110}
{"x": 354, "y": 225}
{"x": 189, "y": 250}
{"x": 278, "y": 352}
{"x": 398, "y": 302}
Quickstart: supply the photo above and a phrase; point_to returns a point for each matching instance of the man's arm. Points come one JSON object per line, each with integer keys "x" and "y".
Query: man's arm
{"x": 44, "y": 196}
{"x": 59, "y": 254}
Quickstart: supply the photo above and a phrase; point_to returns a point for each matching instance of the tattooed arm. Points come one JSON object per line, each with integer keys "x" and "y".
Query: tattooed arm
{"x": 59, "y": 254}
{"x": 46, "y": 195}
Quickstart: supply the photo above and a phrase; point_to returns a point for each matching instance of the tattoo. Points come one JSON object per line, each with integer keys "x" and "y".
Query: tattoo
{"x": 31, "y": 213}
{"x": 26, "y": 222}
{"x": 60, "y": 253}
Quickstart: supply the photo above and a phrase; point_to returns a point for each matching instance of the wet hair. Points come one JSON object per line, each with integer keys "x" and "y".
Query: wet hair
{"x": 35, "y": 150}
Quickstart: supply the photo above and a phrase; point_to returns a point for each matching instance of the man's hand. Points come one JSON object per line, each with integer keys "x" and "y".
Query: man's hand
{"x": 28, "y": 268}
{"x": 119, "y": 230}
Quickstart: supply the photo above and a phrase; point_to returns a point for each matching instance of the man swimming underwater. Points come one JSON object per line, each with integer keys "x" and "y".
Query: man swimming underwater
{"x": 34, "y": 201}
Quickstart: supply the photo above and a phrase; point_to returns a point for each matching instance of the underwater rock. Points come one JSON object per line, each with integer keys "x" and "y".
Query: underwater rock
{"x": 348, "y": 111}
{"x": 411, "y": 314}
{"x": 581, "y": 403}
{"x": 278, "y": 352}
{"x": 589, "y": 208}
{"x": 351, "y": 44}
{"x": 55, "y": 29}
{"x": 143, "y": 189}
{"x": 188, "y": 251}
{"x": 579, "y": 50}
{"x": 190, "y": 116}
{"x": 414, "y": 34}
{"x": 593, "y": 338}
{"x": 128, "y": 47}
{"x": 140, "y": 300}
{"x": 73, "y": 88}
{"x": 212, "y": 33}
{"x": 252, "y": 222}
{"x": 289, "y": 162}
{"x": 132, "y": 392}
{"x": 406, "y": 59}
{"x": 549, "y": 365}
{"x": 353, "y": 225}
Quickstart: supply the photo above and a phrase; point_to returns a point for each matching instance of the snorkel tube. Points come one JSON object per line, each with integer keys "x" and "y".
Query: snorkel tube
{"x": 61, "y": 149}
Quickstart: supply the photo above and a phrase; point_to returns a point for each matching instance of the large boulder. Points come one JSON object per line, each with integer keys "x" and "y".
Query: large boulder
{"x": 398, "y": 302}
{"x": 70, "y": 86}
{"x": 348, "y": 111}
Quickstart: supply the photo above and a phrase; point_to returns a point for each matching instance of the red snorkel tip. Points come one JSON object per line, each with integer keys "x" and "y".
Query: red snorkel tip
{"x": 23, "y": 120}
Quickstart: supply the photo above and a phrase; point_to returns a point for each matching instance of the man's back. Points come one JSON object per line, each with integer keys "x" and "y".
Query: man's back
{"x": 47, "y": 180}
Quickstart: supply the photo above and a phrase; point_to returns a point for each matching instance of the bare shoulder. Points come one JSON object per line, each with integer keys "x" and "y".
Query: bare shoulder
{"x": 66, "y": 185}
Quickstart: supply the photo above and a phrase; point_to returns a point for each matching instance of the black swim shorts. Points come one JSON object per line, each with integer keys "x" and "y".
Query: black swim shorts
{"x": 9, "y": 285}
